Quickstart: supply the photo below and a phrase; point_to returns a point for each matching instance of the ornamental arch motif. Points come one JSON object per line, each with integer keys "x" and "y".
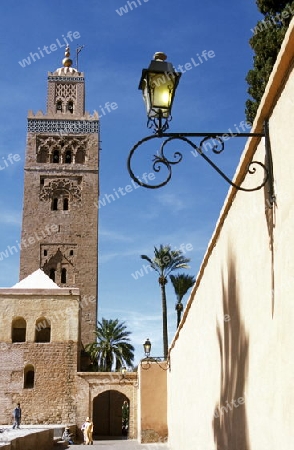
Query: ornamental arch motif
{"x": 62, "y": 148}
{"x": 61, "y": 188}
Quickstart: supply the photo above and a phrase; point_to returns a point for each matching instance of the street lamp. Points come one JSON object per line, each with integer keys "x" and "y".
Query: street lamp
{"x": 158, "y": 84}
{"x": 147, "y": 347}
{"x": 124, "y": 379}
{"x": 159, "y": 360}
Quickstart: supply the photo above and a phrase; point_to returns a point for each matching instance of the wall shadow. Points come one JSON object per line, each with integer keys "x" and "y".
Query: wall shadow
{"x": 270, "y": 215}
{"x": 229, "y": 418}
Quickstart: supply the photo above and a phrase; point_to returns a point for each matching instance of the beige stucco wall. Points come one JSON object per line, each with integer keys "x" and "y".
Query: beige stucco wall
{"x": 152, "y": 415}
{"x": 60, "y": 306}
{"x": 231, "y": 384}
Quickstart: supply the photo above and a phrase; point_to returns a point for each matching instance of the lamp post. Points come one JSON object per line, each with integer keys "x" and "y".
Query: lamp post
{"x": 159, "y": 360}
{"x": 158, "y": 84}
{"x": 147, "y": 347}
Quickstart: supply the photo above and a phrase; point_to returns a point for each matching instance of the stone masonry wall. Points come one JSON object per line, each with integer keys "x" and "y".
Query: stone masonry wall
{"x": 52, "y": 400}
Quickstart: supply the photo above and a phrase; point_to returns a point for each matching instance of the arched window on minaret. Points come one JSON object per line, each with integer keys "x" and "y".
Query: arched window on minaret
{"x": 63, "y": 276}
{"x": 67, "y": 157}
{"x": 55, "y": 158}
{"x": 54, "y": 206}
{"x": 70, "y": 106}
{"x": 59, "y": 106}
{"x": 52, "y": 274}
{"x": 42, "y": 156}
{"x": 65, "y": 204}
{"x": 80, "y": 156}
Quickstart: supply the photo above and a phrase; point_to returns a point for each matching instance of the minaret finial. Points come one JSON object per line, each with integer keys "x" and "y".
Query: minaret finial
{"x": 67, "y": 62}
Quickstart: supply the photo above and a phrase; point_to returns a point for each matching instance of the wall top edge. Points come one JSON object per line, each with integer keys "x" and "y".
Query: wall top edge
{"x": 74, "y": 292}
{"x": 109, "y": 374}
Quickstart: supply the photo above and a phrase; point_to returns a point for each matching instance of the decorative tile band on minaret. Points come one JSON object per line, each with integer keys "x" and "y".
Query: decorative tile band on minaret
{"x": 63, "y": 126}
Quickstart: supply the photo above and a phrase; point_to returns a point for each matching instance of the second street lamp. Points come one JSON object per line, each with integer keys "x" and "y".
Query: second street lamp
{"x": 147, "y": 347}
{"x": 161, "y": 361}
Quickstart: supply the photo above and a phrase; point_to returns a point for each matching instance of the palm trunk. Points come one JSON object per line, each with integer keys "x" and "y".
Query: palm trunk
{"x": 179, "y": 309}
{"x": 108, "y": 362}
{"x": 164, "y": 317}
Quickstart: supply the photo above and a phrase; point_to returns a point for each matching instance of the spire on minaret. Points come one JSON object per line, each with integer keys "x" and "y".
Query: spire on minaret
{"x": 67, "y": 62}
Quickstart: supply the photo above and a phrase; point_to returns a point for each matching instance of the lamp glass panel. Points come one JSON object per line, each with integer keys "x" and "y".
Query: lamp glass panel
{"x": 147, "y": 347}
{"x": 161, "y": 93}
{"x": 146, "y": 96}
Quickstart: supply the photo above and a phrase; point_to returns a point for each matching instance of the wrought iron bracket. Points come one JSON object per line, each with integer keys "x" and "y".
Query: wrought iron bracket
{"x": 159, "y": 360}
{"x": 160, "y": 159}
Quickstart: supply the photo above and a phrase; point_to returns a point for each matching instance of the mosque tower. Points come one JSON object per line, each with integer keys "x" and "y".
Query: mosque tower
{"x": 60, "y": 216}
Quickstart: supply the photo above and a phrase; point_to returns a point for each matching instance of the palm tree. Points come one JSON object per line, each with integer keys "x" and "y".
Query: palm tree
{"x": 164, "y": 262}
{"x": 112, "y": 347}
{"x": 181, "y": 284}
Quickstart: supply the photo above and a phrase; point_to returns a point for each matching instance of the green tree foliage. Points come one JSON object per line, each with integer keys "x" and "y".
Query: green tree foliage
{"x": 164, "y": 262}
{"x": 112, "y": 349}
{"x": 266, "y": 43}
{"x": 181, "y": 283}
{"x": 271, "y": 6}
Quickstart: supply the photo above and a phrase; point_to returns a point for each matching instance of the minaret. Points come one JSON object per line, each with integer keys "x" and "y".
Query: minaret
{"x": 60, "y": 216}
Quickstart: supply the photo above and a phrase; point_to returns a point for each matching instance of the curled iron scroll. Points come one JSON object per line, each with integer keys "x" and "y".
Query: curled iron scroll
{"x": 146, "y": 363}
{"x": 160, "y": 160}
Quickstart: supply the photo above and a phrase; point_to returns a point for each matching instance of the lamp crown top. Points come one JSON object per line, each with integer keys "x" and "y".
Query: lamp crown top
{"x": 160, "y": 56}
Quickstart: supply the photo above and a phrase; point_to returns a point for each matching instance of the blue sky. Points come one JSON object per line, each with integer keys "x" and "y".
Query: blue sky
{"x": 210, "y": 97}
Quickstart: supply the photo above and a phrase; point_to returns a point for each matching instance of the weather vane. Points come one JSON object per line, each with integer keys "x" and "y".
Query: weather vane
{"x": 79, "y": 49}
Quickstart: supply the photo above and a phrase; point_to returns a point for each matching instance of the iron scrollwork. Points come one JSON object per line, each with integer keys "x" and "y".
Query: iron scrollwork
{"x": 161, "y": 362}
{"x": 160, "y": 160}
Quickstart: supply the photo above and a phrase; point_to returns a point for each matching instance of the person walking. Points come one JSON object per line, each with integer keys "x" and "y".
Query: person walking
{"x": 88, "y": 431}
{"x": 16, "y": 416}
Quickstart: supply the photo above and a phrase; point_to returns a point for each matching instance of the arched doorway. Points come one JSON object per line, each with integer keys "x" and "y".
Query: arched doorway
{"x": 107, "y": 414}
